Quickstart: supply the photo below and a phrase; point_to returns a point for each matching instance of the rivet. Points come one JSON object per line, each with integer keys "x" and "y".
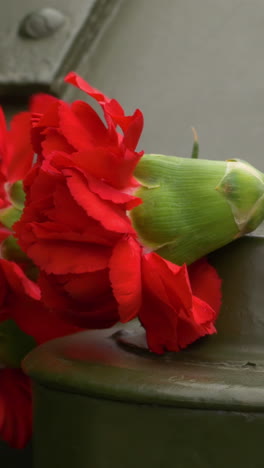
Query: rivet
{"x": 41, "y": 23}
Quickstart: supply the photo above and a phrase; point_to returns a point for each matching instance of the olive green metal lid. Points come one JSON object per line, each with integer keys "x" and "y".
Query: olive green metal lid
{"x": 223, "y": 371}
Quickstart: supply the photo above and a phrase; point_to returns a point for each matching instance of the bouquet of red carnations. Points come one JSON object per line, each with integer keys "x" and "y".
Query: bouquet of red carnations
{"x": 93, "y": 232}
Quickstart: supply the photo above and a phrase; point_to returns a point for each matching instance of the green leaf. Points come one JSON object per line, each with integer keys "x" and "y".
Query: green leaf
{"x": 11, "y": 250}
{"x": 17, "y": 194}
{"x": 14, "y": 344}
{"x": 9, "y": 216}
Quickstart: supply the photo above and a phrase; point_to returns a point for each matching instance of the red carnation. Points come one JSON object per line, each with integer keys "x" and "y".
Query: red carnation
{"x": 76, "y": 229}
{"x": 77, "y": 203}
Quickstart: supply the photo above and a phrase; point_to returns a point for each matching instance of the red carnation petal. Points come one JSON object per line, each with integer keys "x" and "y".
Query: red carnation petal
{"x": 160, "y": 322}
{"x": 54, "y": 141}
{"x": 94, "y": 233}
{"x": 158, "y": 316}
{"x": 4, "y": 313}
{"x": 151, "y": 278}
{"x": 103, "y": 164}
{"x": 206, "y": 284}
{"x": 201, "y": 323}
{"x": 174, "y": 278}
{"x": 88, "y": 287}
{"x": 113, "y": 109}
{"x": 39, "y": 186}
{"x": 60, "y": 160}
{"x": 107, "y": 164}
{"x": 18, "y": 281}
{"x": 74, "y": 130}
{"x": 82, "y": 127}
{"x": 202, "y": 312}
{"x": 34, "y": 319}
{"x": 98, "y": 312}
{"x": 172, "y": 316}
{"x": 67, "y": 211}
{"x": 3, "y": 135}
{"x": 125, "y": 276}
{"x": 50, "y": 119}
{"x": 80, "y": 83}
{"x": 106, "y": 192}
{"x": 20, "y": 158}
{"x": 111, "y": 216}
{"x": 102, "y": 314}
{"x": 94, "y": 125}
{"x": 51, "y": 293}
{"x": 4, "y": 233}
{"x": 61, "y": 257}
{"x": 15, "y": 408}
{"x": 41, "y": 102}
{"x": 132, "y": 127}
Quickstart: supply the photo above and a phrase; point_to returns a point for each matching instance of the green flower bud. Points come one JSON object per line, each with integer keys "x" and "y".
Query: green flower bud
{"x": 193, "y": 206}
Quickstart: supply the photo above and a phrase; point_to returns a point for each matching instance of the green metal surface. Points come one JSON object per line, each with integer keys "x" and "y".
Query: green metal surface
{"x": 201, "y": 407}
{"x": 40, "y": 42}
{"x": 14, "y": 458}
{"x": 77, "y": 431}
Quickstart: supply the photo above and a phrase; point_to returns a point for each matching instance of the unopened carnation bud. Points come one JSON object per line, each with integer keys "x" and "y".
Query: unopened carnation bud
{"x": 193, "y": 206}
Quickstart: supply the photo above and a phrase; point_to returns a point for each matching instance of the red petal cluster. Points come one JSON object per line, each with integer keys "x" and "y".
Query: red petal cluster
{"x": 76, "y": 229}
{"x": 16, "y": 155}
{"x": 20, "y": 301}
{"x": 176, "y": 307}
{"x": 20, "y": 298}
{"x": 77, "y": 130}
{"x": 16, "y": 152}
{"x": 77, "y": 203}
